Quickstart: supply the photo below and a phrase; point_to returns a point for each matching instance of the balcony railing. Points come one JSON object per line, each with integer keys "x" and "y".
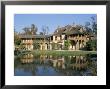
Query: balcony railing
{"x": 76, "y": 38}
{"x": 27, "y": 42}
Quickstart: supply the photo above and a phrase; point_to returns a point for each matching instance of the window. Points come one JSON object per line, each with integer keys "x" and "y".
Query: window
{"x": 65, "y": 37}
{"x": 55, "y": 37}
{"x": 51, "y": 37}
{"x": 60, "y": 37}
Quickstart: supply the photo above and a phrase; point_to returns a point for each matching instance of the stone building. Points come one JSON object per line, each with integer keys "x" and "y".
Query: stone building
{"x": 28, "y": 41}
{"x": 76, "y": 35}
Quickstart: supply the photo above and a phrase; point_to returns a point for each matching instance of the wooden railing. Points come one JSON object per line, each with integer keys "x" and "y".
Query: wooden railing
{"x": 77, "y": 38}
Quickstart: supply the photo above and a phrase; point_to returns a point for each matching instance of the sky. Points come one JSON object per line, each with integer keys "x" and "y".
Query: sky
{"x": 50, "y": 20}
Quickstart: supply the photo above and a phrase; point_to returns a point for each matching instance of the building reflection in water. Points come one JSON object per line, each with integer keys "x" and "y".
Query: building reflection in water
{"x": 27, "y": 58}
{"x": 74, "y": 62}
{"x": 60, "y": 64}
{"x": 79, "y": 62}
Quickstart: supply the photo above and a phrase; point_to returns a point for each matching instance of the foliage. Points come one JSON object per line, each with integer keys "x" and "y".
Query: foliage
{"x": 87, "y": 24}
{"x": 55, "y": 46}
{"x": 45, "y": 30}
{"x": 30, "y": 31}
{"x": 94, "y": 25}
{"x": 91, "y": 45}
{"x": 33, "y": 29}
{"x": 66, "y": 44}
{"x": 17, "y": 40}
{"x": 41, "y": 33}
{"x": 91, "y": 26}
{"x": 22, "y": 47}
{"x": 36, "y": 45}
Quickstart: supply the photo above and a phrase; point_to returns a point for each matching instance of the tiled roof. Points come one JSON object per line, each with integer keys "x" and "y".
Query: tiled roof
{"x": 59, "y": 31}
{"x": 73, "y": 32}
{"x": 69, "y": 29}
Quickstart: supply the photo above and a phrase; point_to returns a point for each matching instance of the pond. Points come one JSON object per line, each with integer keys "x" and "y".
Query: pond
{"x": 55, "y": 65}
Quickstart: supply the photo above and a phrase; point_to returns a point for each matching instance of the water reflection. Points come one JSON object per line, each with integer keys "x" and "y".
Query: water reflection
{"x": 27, "y": 58}
{"x": 53, "y": 65}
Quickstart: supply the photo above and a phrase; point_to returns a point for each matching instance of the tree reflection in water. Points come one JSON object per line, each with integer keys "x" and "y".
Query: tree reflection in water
{"x": 53, "y": 65}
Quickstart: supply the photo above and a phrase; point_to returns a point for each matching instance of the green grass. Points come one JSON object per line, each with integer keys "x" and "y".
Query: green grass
{"x": 65, "y": 52}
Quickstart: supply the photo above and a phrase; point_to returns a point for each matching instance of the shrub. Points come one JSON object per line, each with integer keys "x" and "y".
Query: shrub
{"x": 91, "y": 45}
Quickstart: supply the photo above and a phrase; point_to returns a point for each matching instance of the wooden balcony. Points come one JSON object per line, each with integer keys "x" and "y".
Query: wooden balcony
{"x": 76, "y": 38}
{"x": 27, "y": 41}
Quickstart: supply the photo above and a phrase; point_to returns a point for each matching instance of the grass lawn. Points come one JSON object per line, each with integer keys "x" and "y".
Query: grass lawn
{"x": 62, "y": 52}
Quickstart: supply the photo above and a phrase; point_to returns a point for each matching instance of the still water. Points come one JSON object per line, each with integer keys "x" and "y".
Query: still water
{"x": 43, "y": 65}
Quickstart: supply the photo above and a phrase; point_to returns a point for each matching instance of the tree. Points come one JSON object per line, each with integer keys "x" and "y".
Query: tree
{"x": 87, "y": 26}
{"x": 30, "y": 31}
{"x": 66, "y": 44}
{"x": 33, "y": 29}
{"x": 44, "y": 32}
{"x": 17, "y": 39}
{"x": 26, "y": 31}
{"x": 91, "y": 45}
{"x": 56, "y": 46}
{"x": 41, "y": 33}
{"x": 94, "y": 25}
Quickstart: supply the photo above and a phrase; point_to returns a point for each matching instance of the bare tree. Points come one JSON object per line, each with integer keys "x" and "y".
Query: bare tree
{"x": 33, "y": 29}
{"x": 41, "y": 33}
{"x": 94, "y": 25}
{"x": 26, "y": 31}
{"x": 45, "y": 30}
{"x": 30, "y": 31}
